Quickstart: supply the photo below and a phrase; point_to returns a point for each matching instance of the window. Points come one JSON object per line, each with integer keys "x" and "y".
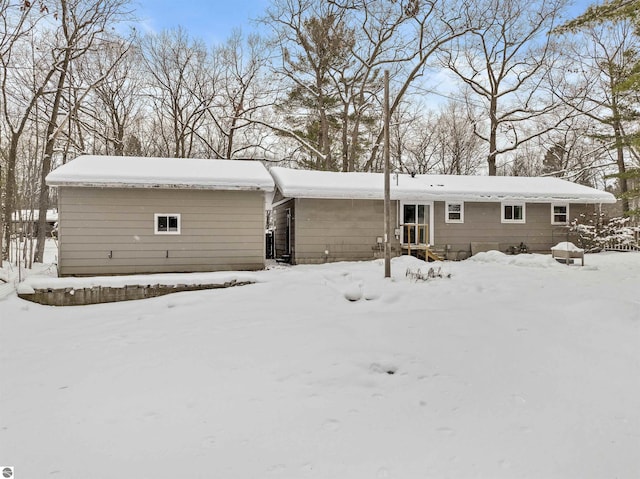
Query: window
{"x": 454, "y": 212}
{"x": 559, "y": 214}
{"x": 167, "y": 224}
{"x": 513, "y": 213}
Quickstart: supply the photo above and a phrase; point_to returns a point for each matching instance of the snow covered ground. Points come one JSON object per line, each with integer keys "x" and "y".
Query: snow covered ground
{"x": 515, "y": 367}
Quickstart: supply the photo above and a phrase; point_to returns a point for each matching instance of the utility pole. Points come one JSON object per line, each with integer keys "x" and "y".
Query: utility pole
{"x": 387, "y": 182}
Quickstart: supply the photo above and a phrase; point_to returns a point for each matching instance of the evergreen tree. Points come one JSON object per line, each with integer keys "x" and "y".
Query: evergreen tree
{"x": 628, "y": 82}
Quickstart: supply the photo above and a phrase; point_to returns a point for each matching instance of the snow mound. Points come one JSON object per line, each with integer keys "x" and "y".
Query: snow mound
{"x": 528, "y": 260}
{"x": 353, "y": 292}
{"x": 407, "y": 261}
{"x": 24, "y": 288}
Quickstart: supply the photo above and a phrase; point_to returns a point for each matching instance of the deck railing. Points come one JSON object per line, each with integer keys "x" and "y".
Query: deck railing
{"x": 416, "y": 236}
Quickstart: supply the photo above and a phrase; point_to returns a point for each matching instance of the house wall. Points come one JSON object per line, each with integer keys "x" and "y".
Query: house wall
{"x": 220, "y": 230}
{"x": 482, "y": 223}
{"x": 347, "y": 230}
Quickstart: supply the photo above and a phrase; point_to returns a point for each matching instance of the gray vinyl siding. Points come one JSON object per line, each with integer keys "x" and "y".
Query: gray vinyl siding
{"x": 483, "y": 223}
{"x": 220, "y": 230}
{"x": 348, "y": 230}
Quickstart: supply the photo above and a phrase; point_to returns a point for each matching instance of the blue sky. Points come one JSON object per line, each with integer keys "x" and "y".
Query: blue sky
{"x": 210, "y": 20}
{"x": 213, "y": 20}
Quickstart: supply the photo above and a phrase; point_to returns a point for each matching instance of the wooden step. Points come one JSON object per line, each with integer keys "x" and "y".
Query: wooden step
{"x": 425, "y": 254}
{"x": 433, "y": 256}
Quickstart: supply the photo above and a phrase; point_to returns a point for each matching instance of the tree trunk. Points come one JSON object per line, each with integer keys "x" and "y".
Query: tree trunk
{"x": 345, "y": 137}
{"x": 43, "y": 202}
{"x": 493, "y": 135}
{"x": 324, "y": 138}
{"x": 622, "y": 179}
{"x": 10, "y": 192}
{"x": 355, "y": 134}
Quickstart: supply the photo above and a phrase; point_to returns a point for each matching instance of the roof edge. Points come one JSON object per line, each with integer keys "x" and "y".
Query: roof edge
{"x": 605, "y": 198}
{"x": 161, "y": 186}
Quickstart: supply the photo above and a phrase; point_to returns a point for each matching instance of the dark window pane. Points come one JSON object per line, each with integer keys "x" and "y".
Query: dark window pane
{"x": 517, "y": 213}
{"x": 173, "y": 223}
{"x": 508, "y": 212}
{"x": 409, "y": 213}
{"x": 162, "y": 223}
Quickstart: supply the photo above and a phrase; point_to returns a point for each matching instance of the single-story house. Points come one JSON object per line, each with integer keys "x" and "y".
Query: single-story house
{"x": 126, "y": 215}
{"x": 332, "y": 216}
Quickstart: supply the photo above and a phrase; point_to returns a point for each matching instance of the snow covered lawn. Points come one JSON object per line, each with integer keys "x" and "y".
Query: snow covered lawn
{"x": 515, "y": 367}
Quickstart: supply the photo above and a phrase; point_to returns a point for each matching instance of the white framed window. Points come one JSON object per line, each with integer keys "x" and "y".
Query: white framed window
{"x": 166, "y": 223}
{"x": 559, "y": 214}
{"x": 513, "y": 213}
{"x": 454, "y": 212}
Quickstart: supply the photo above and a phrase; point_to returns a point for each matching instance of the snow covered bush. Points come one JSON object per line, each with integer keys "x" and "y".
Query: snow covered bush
{"x": 596, "y": 232}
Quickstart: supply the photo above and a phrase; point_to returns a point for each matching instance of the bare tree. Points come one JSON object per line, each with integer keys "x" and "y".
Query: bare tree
{"x": 118, "y": 107}
{"x": 23, "y": 77}
{"x": 181, "y": 89}
{"x": 441, "y": 142}
{"x": 419, "y": 155}
{"x": 504, "y": 64}
{"x": 243, "y": 94}
{"x": 80, "y": 27}
{"x": 432, "y": 25}
{"x": 574, "y": 152}
{"x": 460, "y": 151}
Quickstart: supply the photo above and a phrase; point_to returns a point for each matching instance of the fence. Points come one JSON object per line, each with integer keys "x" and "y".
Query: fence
{"x": 630, "y": 243}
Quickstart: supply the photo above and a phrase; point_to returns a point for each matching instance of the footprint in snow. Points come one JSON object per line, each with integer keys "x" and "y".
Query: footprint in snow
{"x": 331, "y": 425}
{"x": 371, "y": 294}
{"x": 382, "y": 473}
{"x": 276, "y": 468}
{"x": 209, "y": 442}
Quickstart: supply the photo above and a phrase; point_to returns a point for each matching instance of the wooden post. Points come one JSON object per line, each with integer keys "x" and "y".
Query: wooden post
{"x": 387, "y": 182}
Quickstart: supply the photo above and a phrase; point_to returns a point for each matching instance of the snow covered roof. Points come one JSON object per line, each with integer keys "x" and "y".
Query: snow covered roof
{"x": 326, "y": 184}
{"x": 181, "y": 173}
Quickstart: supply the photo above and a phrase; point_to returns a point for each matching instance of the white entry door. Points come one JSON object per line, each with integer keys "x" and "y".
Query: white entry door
{"x": 416, "y": 223}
